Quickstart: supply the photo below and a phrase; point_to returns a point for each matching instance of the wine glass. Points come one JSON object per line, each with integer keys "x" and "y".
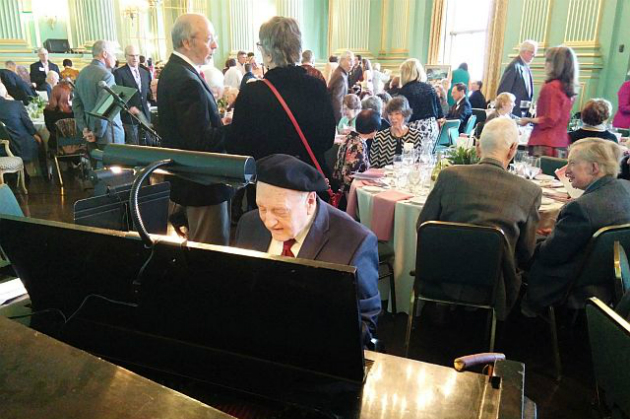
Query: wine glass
{"x": 415, "y": 176}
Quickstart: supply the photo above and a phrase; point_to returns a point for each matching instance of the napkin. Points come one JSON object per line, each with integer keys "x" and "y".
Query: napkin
{"x": 573, "y": 192}
{"x": 383, "y": 209}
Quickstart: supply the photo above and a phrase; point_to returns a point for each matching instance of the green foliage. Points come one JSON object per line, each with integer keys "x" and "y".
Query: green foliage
{"x": 461, "y": 155}
{"x": 36, "y": 107}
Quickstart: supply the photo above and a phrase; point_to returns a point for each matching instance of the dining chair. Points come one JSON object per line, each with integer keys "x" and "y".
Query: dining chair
{"x": 445, "y": 139}
{"x": 470, "y": 124}
{"x": 595, "y": 277}
{"x": 480, "y": 114}
{"x": 70, "y": 144}
{"x": 10, "y": 163}
{"x": 8, "y": 204}
{"x": 471, "y": 282}
{"x": 609, "y": 336}
{"x": 385, "y": 258}
{"x": 549, "y": 165}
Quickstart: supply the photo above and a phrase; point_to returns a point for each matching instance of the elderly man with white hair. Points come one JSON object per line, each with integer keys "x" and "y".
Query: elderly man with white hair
{"x": 338, "y": 84}
{"x": 593, "y": 167}
{"x": 40, "y": 69}
{"x": 98, "y": 132}
{"x": 487, "y": 194}
{"x": 190, "y": 120}
{"x": 517, "y": 78}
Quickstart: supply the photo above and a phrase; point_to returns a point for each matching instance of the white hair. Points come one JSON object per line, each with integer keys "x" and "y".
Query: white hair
{"x": 52, "y": 75}
{"x": 214, "y": 78}
{"x": 528, "y": 45}
{"x": 346, "y": 55}
{"x": 498, "y": 135}
{"x": 605, "y": 153}
{"x": 101, "y": 46}
{"x": 42, "y": 51}
{"x": 185, "y": 28}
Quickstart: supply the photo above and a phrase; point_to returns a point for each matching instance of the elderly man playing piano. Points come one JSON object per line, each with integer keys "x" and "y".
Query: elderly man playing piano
{"x": 292, "y": 221}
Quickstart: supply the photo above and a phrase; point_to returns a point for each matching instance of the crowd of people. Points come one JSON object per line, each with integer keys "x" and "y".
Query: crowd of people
{"x": 286, "y": 114}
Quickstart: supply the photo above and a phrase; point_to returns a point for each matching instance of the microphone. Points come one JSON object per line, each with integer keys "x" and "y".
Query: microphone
{"x": 103, "y": 85}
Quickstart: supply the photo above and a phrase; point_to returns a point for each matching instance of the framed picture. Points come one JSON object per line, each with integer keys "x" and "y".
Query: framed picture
{"x": 437, "y": 72}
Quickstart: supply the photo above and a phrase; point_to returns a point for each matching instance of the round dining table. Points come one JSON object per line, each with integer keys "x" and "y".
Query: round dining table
{"x": 398, "y": 227}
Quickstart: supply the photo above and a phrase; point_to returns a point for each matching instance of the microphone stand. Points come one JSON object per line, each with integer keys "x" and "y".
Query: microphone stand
{"x": 140, "y": 122}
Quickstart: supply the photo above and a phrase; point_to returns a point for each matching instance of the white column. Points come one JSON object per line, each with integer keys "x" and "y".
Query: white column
{"x": 350, "y": 25}
{"x": 93, "y": 20}
{"x": 243, "y": 35}
{"x": 10, "y": 23}
{"x": 291, "y": 8}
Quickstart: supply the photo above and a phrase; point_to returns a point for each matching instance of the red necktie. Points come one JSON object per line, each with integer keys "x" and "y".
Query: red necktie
{"x": 286, "y": 248}
{"x": 203, "y": 76}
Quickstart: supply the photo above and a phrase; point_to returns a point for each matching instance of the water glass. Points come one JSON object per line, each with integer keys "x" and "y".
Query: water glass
{"x": 415, "y": 176}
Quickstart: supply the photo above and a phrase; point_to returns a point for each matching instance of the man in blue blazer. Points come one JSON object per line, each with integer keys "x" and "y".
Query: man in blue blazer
{"x": 18, "y": 88}
{"x": 517, "y": 78}
{"x": 292, "y": 221}
{"x": 40, "y": 69}
{"x": 88, "y": 92}
{"x": 135, "y": 76}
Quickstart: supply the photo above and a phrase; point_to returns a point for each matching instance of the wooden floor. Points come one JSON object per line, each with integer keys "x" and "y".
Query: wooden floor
{"x": 442, "y": 334}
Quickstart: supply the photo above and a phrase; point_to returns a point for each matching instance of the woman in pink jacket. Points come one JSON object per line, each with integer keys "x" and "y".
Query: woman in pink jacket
{"x": 622, "y": 117}
{"x": 554, "y": 103}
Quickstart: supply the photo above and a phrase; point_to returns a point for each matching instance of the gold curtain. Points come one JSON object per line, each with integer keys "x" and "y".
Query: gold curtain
{"x": 438, "y": 17}
{"x": 494, "y": 48}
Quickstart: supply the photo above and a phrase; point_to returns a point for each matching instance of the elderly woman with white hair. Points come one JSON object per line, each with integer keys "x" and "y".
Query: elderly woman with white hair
{"x": 423, "y": 100}
{"x": 260, "y": 125}
{"x": 593, "y": 167}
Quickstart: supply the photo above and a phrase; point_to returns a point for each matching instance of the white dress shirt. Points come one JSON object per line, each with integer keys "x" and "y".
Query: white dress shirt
{"x": 276, "y": 246}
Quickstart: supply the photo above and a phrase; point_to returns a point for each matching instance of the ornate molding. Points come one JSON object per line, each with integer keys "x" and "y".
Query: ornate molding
{"x": 494, "y": 50}
{"x": 535, "y": 21}
{"x": 438, "y": 21}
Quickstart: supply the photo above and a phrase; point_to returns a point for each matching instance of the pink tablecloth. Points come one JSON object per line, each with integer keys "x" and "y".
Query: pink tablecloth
{"x": 383, "y": 209}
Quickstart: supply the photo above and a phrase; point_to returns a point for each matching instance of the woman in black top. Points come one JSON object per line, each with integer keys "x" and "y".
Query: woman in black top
{"x": 59, "y": 107}
{"x": 423, "y": 100}
{"x": 595, "y": 114}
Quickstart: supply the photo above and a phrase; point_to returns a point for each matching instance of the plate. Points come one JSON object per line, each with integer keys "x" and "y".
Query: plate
{"x": 418, "y": 199}
{"x": 373, "y": 189}
{"x": 547, "y": 201}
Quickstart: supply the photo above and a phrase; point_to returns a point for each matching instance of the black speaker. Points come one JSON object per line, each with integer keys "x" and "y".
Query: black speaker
{"x": 57, "y": 45}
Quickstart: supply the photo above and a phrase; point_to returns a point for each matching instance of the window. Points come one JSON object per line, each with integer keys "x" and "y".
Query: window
{"x": 466, "y": 28}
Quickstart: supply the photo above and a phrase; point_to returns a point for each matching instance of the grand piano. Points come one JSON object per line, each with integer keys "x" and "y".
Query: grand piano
{"x": 250, "y": 334}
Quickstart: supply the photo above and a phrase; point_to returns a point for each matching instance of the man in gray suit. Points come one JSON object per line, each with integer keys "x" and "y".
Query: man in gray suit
{"x": 517, "y": 78}
{"x": 486, "y": 194}
{"x": 593, "y": 167}
{"x": 338, "y": 84}
{"x": 292, "y": 221}
{"x": 87, "y": 93}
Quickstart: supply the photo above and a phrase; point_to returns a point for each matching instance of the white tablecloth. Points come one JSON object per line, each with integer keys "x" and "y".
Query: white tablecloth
{"x": 403, "y": 240}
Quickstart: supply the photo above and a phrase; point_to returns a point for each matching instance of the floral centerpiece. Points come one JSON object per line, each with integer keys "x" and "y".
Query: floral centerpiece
{"x": 36, "y": 107}
{"x": 462, "y": 155}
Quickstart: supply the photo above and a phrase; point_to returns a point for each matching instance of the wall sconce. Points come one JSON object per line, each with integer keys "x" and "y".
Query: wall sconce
{"x": 132, "y": 8}
{"x": 52, "y": 20}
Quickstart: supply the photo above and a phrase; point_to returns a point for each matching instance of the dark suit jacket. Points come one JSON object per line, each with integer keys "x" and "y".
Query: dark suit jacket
{"x": 334, "y": 237}
{"x": 338, "y": 88}
{"x": 260, "y": 126}
{"x": 189, "y": 120}
{"x": 21, "y": 130}
{"x": 477, "y": 100}
{"x": 17, "y": 88}
{"x": 461, "y": 111}
{"x": 38, "y": 76}
{"x": 604, "y": 203}
{"x": 124, "y": 77}
{"x": 513, "y": 81}
{"x": 486, "y": 194}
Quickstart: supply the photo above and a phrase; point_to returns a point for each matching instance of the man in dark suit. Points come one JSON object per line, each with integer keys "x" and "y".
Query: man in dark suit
{"x": 189, "y": 120}
{"x": 292, "y": 221}
{"x": 593, "y": 168}
{"x": 517, "y": 78}
{"x": 486, "y": 194}
{"x": 476, "y": 98}
{"x": 24, "y": 141}
{"x": 132, "y": 75}
{"x": 17, "y": 88}
{"x": 40, "y": 69}
{"x": 338, "y": 84}
{"x": 461, "y": 109}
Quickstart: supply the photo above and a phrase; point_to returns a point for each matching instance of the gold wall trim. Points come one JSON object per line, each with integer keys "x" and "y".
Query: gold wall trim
{"x": 583, "y": 22}
{"x": 494, "y": 47}
{"x": 13, "y": 41}
{"x": 438, "y": 17}
{"x": 535, "y": 21}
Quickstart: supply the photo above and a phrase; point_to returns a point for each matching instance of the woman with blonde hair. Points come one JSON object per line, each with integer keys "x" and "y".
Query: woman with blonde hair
{"x": 554, "y": 103}
{"x": 593, "y": 167}
{"x": 423, "y": 100}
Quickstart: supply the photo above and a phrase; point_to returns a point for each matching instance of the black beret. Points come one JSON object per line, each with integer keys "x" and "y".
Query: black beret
{"x": 288, "y": 172}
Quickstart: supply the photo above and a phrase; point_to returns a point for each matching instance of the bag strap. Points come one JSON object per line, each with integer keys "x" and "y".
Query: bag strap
{"x": 297, "y": 128}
